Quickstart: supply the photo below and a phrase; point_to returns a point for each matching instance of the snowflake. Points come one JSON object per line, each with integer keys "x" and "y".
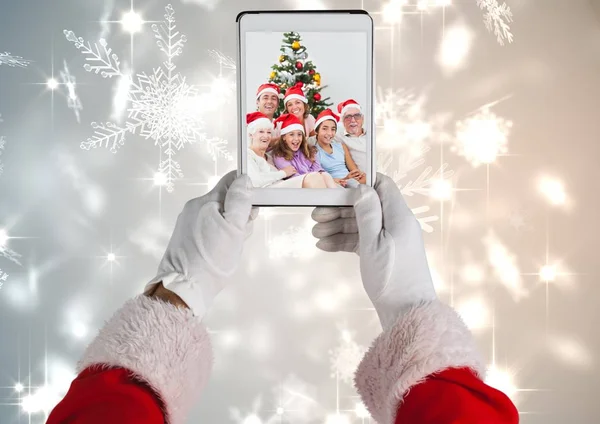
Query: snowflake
{"x": 15, "y": 61}
{"x": 223, "y": 60}
{"x": 483, "y": 137}
{"x": 403, "y": 124}
{"x": 345, "y": 359}
{"x": 73, "y": 101}
{"x": 5, "y": 251}
{"x": 497, "y": 18}
{"x": 296, "y": 242}
{"x": 421, "y": 185}
{"x": 163, "y": 107}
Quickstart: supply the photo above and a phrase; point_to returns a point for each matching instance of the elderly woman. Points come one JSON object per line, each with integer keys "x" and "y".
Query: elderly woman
{"x": 262, "y": 173}
{"x": 293, "y": 150}
{"x": 335, "y": 156}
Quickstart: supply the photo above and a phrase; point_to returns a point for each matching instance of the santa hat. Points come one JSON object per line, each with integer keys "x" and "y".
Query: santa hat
{"x": 324, "y": 116}
{"x": 288, "y": 123}
{"x": 256, "y": 120}
{"x": 295, "y": 92}
{"x": 348, "y": 104}
{"x": 267, "y": 88}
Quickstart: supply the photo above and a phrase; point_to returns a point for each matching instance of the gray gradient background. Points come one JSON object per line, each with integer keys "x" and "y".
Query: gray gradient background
{"x": 285, "y": 314}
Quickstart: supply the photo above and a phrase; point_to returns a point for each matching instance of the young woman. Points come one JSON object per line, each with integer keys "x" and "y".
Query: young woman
{"x": 334, "y": 156}
{"x": 293, "y": 150}
{"x": 296, "y": 104}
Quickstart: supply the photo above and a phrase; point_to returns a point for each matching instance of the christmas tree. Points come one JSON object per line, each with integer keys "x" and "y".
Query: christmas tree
{"x": 293, "y": 67}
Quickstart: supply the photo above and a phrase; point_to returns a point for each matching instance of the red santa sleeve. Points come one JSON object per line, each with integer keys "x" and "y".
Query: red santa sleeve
{"x": 151, "y": 360}
{"x": 426, "y": 369}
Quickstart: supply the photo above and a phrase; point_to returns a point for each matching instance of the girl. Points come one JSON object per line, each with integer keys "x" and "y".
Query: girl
{"x": 293, "y": 150}
{"x": 334, "y": 156}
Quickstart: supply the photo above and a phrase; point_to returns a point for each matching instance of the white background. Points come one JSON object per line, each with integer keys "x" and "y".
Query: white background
{"x": 339, "y": 57}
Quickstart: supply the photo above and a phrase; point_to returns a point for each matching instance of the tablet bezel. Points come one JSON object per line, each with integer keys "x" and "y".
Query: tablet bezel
{"x": 307, "y": 21}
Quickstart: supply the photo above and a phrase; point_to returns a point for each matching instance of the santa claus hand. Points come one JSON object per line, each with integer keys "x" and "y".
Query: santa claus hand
{"x": 393, "y": 264}
{"x": 207, "y": 242}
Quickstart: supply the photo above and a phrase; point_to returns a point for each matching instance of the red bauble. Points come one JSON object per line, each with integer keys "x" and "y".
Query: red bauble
{"x": 311, "y": 72}
{"x": 299, "y": 66}
{"x": 317, "y": 97}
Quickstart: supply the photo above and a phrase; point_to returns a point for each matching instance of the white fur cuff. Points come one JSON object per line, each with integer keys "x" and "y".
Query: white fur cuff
{"x": 163, "y": 345}
{"x": 429, "y": 338}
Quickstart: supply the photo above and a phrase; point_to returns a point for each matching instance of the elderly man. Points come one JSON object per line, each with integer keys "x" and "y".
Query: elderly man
{"x": 354, "y": 135}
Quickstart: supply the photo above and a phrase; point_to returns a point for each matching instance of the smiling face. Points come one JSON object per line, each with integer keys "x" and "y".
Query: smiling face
{"x": 295, "y": 107}
{"x": 293, "y": 140}
{"x": 326, "y": 131}
{"x": 260, "y": 140}
{"x": 353, "y": 122}
{"x": 267, "y": 103}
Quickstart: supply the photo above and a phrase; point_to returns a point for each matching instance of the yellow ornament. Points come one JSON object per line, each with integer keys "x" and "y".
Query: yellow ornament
{"x": 272, "y": 75}
{"x": 281, "y": 58}
{"x": 295, "y": 45}
{"x": 317, "y": 77}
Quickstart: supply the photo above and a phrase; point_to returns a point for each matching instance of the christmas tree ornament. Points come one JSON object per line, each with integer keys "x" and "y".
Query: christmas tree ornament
{"x": 317, "y": 78}
{"x": 272, "y": 75}
{"x": 299, "y": 66}
{"x": 317, "y": 97}
{"x": 281, "y": 58}
{"x": 311, "y": 72}
{"x": 295, "y": 45}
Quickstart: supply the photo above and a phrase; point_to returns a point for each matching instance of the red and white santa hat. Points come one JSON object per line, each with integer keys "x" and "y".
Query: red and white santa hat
{"x": 348, "y": 104}
{"x": 257, "y": 120}
{"x": 288, "y": 123}
{"x": 295, "y": 92}
{"x": 267, "y": 88}
{"x": 325, "y": 115}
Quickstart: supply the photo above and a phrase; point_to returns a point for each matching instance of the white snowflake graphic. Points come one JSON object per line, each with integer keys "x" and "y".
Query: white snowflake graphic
{"x": 73, "y": 101}
{"x": 497, "y": 18}
{"x": 162, "y": 105}
{"x": 345, "y": 359}
{"x": 225, "y": 61}
{"x": 14, "y": 61}
{"x": 420, "y": 186}
{"x": 481, "y": 138}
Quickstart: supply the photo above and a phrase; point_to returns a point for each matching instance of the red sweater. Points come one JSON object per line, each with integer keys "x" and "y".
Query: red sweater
{"x": 393, "y": 378}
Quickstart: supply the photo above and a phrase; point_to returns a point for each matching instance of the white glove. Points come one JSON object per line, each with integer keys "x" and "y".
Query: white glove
{"x": 393, "y": 265}
{"x": 207, "y": 243}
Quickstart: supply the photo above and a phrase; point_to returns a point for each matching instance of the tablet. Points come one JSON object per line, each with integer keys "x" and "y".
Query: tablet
{"x": 305, "y": 105}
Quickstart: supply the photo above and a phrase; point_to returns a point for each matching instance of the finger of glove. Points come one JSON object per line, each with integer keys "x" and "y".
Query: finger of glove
{"x": 339, "y": 243}
{"x": 369, "y": 216}
{"x": 340, "y": 225}
{"x": 326, "y": 214}
{"x": 219, "y": 191}
{"x": 238, "y": 203}
{"x": 394, "y": 207}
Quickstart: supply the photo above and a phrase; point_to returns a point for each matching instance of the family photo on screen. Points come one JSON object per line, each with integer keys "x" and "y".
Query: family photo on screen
{"x": 295, "y": 138}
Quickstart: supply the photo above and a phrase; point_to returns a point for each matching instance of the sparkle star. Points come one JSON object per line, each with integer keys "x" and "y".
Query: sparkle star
{"x": 132, "y": 22}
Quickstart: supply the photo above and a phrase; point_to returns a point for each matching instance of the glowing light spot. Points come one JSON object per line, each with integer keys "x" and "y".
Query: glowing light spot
{"x": 280, "y": 411}
{"x": 52, "y": 84}
{"x": 252, "y": 419}
{"x": 392, "y": 11}
{"x": 19, "y": 387}
{"x": 501, "y": 380}
{"x": 79, "y": 330}
{"x": 475, "y": 313}
{"x": 3, "y": 237}
{"x": 548, "y": 273}
{"x": 361, "y": 410}
{"x": 455, "y": 48}
{"x": 132, "y": 22}
{"x": 553, "y": 190}
{"x": 160, "y": 179}
{"x": 441, "y": 190}
{"x": 43, "y": 400}
{"x": 337, "y": 419}
{"x": 111, "y": 257}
